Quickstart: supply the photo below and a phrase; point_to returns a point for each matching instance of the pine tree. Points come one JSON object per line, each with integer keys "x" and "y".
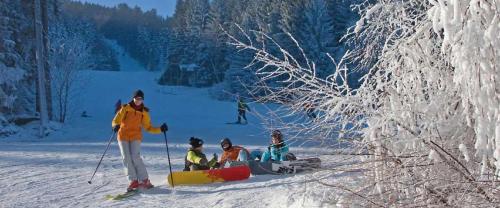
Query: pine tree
{"x": 196, "y": 16}
{"x": 11, "y": 63}
{"x": 176, "y": 53}
{"x": 191, "y": 45}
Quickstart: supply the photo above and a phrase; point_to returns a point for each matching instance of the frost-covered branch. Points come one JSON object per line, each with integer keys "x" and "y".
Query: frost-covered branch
{"x": 429, "y": 87}
{"x": 299, "y": 88}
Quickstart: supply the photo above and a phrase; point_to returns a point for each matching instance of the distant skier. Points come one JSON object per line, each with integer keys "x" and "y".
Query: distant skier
{"x": 278, "y": 150}
{"x": 128, "y": 122}
{"x": 242, "y": 107}
{"x": 195, "y": 159}
{"x": 84, "y": 114}
{"x": 232, "y": 153}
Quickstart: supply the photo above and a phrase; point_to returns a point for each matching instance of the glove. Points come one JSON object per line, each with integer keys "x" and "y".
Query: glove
{"x": 116, "y": 128}
{"x": 204, "y": 162}
{"x": 216, "y": 165}
{"x": 213, "y": 162}
{"x": 164, "y": 127}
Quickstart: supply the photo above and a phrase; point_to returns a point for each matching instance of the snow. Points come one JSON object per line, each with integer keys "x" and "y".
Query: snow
{"x": 359, "y": 25}
{"x": 53, "y": 172}
{"x": 189, "y": 67}
{"x": 464, "y": 151}
{"x": 127, "y": 63}
{"x": 372, "y": 10}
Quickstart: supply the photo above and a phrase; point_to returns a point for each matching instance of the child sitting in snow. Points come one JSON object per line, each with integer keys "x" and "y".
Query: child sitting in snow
{"x": 195, "y": 159}
{"x": 278, "y": 150}
{"x": 232, "y": 152}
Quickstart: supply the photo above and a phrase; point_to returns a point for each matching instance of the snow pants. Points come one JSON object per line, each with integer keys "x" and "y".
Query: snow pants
{"x": 132, "y": 161}
{"x": 255, "y": 155}
{"x": 243, "y": 156}
{"x": 242, "y": 114}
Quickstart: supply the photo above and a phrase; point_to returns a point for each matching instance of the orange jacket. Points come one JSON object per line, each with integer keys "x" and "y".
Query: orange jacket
{"x": 131, "y": 121}
{"x": 232, "y": 154}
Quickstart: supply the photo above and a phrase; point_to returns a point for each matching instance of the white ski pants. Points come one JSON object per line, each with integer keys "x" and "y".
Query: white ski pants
{"x": 132, "y": 161}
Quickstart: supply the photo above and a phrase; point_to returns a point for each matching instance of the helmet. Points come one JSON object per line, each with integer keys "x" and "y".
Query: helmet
{"x": 277, "y": 134}
{"x": 226, "y": 141}
{"x": 195, "y": 142}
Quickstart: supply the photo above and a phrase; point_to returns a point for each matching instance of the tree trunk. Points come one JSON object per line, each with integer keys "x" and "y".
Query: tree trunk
{"x": 40, "y": 63}
{"x": 46, "y": 46}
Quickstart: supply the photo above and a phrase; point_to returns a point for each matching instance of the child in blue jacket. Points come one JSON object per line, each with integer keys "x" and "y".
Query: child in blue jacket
{"x": 278, "y": 150}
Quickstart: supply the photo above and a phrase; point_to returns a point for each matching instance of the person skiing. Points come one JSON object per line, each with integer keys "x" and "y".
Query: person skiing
{"x": 195, "y": 159}
{"x": 128, "y": 122}
{"x": 232, "y": 153}
{"x": 242, "y": 107}
{"x": 278, "y": 150}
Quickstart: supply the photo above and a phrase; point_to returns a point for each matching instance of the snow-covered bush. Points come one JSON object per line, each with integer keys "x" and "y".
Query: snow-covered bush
{"x": 427, "y": 110}
{"x": 70, "y": 52}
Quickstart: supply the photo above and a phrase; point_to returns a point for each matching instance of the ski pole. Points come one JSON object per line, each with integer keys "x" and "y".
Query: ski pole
{"x": 168, "y": 156}
{"x": 98, "y": 164}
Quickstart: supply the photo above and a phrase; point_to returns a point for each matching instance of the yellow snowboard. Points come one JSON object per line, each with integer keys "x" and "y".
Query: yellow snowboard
{"x": 209, "y": 176}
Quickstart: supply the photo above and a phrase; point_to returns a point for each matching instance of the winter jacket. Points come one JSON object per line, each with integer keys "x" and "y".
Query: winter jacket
{"x": 232, "y": 154}
{"x": 198, "y": 160}
{"x": 131, "y": 119}
{"x": 275, "y": 152}
{"x": 242, "y": 106}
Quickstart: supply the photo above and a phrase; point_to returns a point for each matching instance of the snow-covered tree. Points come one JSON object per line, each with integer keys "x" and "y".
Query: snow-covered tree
{"x": 316, "y": 35}
{"x": 426, "y": 112}
{"x": 192, "y": 44}
{"x": 70, "y": 53}
{"x": 196, "y": 16}
{"x": 11, "y": 63}
{"x": 18, "y": 96}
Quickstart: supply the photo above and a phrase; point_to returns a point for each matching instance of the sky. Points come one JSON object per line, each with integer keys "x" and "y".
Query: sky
{"x": 163, "y": 7}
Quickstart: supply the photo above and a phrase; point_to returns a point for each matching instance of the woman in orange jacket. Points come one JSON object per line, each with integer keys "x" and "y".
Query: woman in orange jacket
{"x": 129, "y": 122}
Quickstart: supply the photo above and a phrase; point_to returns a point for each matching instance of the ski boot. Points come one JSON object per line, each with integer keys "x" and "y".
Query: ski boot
{"x": 146, "y": 184}
{"x": 133, "y": 185}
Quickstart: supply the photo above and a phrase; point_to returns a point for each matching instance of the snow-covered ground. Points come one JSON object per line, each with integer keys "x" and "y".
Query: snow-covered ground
{"x": 127, "y": 63}
{"x": 53, "y": 172}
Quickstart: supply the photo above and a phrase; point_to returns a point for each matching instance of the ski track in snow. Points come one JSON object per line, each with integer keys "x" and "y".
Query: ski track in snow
{"x": 53, "y": 172}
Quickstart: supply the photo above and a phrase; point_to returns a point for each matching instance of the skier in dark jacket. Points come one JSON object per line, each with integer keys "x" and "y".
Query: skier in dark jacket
{"x": 242, "y": 107}
{"x": 195, "y": 159}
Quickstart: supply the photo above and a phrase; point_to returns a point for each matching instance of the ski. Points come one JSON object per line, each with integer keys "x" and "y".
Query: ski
{"x": 236, "y": 123}
{"x": 122, "y": 196}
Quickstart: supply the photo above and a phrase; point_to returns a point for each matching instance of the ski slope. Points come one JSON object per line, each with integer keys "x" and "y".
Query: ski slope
{"x": 53, "y": 172}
